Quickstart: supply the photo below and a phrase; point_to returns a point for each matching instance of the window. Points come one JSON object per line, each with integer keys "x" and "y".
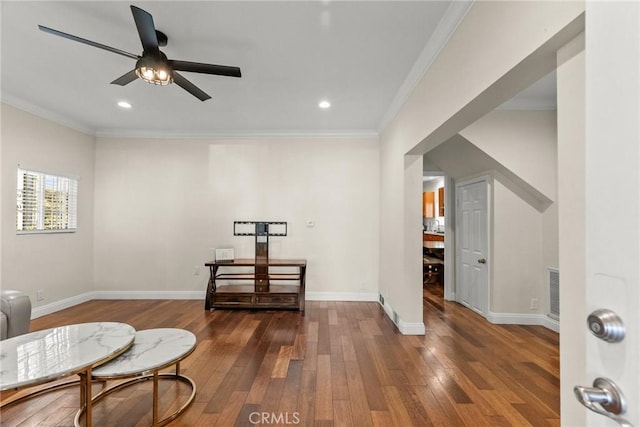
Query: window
{"x": 46, "y": 203}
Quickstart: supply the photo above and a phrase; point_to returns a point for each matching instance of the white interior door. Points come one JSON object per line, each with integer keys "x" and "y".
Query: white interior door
{"x": 472, "y": 274}
{"x": 611, "y": 252}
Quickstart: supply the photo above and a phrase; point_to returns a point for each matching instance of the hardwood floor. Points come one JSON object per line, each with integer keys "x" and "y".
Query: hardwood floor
{"x": 342, "y": 364}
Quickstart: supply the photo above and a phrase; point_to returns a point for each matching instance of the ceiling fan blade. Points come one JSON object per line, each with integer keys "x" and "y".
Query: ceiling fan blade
{"x": 198, "y": 67}
{"x": 88, "y": 42}
{"x": 146, "y": 29}
{"x": 190, "y": 87}
{"x": 125, "y": 79}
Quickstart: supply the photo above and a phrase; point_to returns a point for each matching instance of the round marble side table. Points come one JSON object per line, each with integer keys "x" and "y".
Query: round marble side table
{"x": 152, "y": 350}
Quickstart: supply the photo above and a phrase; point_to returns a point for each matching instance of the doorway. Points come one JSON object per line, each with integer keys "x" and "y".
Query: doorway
{"x": 472, "y": 245}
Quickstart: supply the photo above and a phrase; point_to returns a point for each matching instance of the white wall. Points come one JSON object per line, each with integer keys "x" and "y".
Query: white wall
{"x": 61, "y": 264}
{"x": 517, "y": 264}
{"x": 572, "y": 223}
{"x": 521, "y": 131}
{"x": 162, "y": 205}
{"x": 475, "y": 72}
{"x": 525, "y": 240}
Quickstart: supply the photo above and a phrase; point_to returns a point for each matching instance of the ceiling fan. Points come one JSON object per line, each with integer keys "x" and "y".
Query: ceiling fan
{"x": 153, "y": 66}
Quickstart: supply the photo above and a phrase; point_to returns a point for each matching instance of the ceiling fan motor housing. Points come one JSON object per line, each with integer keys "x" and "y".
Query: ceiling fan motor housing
{"x": 153, "y": 67}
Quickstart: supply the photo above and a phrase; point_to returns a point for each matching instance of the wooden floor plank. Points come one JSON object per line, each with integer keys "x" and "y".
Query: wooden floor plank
{"x": 339, "y": 364}
{"x": 324, "y": 395}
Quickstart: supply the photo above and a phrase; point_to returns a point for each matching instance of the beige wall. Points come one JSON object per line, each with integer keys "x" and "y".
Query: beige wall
{"x": 525, "y": 240}
{"x": 61, "y": 264}
{"x": 571, "y": 213}
{"x": 516, "y": 266}
{"x": 162, "y": 205}
{"x": 475, "y": 72}
{"x": 530, "y": 132}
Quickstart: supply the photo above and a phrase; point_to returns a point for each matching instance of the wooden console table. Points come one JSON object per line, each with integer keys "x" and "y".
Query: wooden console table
{"x": 256, "y": 292}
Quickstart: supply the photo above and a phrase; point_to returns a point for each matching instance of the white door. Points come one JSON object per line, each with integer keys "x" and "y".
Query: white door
{"x": 612, "y": 222}
{"x": 472, "y": 276}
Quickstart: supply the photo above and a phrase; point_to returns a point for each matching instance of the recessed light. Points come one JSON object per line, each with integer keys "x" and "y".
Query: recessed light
{"x": 124, "y": 104}
{"x": 324, "y": 104}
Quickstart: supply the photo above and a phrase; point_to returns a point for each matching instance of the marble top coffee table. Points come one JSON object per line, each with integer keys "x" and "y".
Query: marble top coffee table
{"x": 152, "y": 350}
{"x": 44, "y": 356}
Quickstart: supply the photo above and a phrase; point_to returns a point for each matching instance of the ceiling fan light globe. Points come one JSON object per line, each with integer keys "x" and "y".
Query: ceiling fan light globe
{"x": 147, "y": 73}
{"x": 154, "y": 76}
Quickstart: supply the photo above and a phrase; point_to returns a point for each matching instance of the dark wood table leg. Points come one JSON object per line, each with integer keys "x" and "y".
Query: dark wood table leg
{"x": 303, "y": 271}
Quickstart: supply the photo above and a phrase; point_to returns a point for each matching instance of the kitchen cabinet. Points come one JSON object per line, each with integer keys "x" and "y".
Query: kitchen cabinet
{"x": 428, "y": 204}
{"x": 429, "y": 237}
{"x": 441, "y": 201}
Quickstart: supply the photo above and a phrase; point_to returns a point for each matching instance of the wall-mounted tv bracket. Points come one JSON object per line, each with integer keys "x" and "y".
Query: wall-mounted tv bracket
{"x": 261, "y": 230}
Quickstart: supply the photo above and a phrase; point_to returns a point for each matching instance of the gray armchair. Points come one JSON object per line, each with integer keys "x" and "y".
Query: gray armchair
{"x": 15, "y": 313}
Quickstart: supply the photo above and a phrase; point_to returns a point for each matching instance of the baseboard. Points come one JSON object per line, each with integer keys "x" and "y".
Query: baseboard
{"x": 149, "y": 295}
{"x": 43, "y": 310}
{"x": 197, "y": 295}
{"x": 88, "y": 296}
{"x": 341, "y": 296}
{"x": 405, "y": 328}
{"x": 551, "y": 323}
{"x": 524, "y": 319}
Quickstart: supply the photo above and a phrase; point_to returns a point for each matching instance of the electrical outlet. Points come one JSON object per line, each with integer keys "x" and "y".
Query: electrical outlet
{"x": 40, "y": 295}
{"x": 196, "y": 270}
{"x": 534, "y": 304}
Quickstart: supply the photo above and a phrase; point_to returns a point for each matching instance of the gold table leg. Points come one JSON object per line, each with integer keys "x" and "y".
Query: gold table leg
{"x": 86, "y": 402}
{"x": 155, "y": 398}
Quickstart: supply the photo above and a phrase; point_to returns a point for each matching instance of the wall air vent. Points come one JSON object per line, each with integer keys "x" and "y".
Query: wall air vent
{"x": 553, "y": 282}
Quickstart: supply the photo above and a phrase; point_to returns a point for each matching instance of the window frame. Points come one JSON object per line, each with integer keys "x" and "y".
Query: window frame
{"x": 68, "y": 184}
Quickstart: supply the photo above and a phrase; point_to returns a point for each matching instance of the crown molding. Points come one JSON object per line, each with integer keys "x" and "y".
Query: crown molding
{"x": 455, "y": 13}
{"x": 154, "y": 134}
{"x": 30, "y": 108}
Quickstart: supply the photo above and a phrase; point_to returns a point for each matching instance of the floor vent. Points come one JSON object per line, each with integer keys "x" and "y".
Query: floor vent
{"x": 554, "y": 293}
{"x": 396, "y": 318}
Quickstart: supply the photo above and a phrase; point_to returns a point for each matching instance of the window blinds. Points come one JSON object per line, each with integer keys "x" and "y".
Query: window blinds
{"x": 46, "y": 202}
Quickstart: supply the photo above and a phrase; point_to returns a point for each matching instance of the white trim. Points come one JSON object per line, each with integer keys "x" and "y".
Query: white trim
{"x": 342, "y": 296}
{"x": 184, "y": 295}
{"x": 405, "y": 328}
{"x": 61, "y": 305}
{"x": 47, "y": 172}
{"x": 43, "y": 113}
{"x": 449, "y": 238}
{"x": 117, "y": 295}
{"x": 416, "y": 328}
{"x": 154, "y": 134}
{"x": 454, "y": 14}
{"x": 388, "y": 310}
{"x": 487, "y": 179}
{"x": 150, "y": 295}
{"x": 524, "y": 319}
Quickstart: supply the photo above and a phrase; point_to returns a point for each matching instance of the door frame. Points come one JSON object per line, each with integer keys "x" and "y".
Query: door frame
{"x": 487, "y": 179}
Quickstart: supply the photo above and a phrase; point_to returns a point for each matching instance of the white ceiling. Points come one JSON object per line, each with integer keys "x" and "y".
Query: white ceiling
{"x": 363, "y": 56}
{"x": 292, "y": 55}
